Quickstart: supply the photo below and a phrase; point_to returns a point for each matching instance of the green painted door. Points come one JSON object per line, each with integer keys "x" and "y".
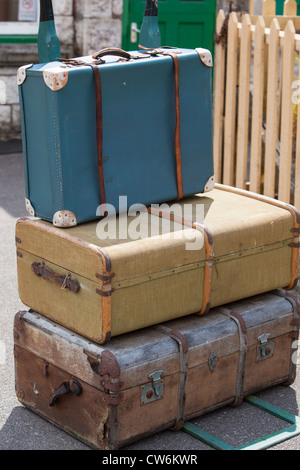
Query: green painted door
{"x": 279, "y": 7}
{"x": 183, "y": 23}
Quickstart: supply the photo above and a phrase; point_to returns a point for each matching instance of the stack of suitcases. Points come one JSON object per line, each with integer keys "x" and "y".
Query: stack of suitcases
{"x": 154, "y": 294}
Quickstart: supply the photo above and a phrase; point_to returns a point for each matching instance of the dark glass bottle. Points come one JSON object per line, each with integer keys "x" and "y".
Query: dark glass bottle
{"x": 48, "y": 42}
{"x": 149, "y": 33}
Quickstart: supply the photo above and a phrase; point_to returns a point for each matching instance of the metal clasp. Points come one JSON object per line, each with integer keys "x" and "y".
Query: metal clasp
{"x": 154, "y": 390}
{"x": 266, "y": 348}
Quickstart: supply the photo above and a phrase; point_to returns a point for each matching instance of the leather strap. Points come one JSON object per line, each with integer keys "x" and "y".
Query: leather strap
{"x": 99, "y": 124}
{"x": 242, "y": 328}
{"x": 177, "y": 107}
{"x": 65, "y": 281}
{"x": 71, "y": 385}
{"x": 209, "y": 253}
{"x": 177, "y": 128}
{"x": 183, "y": 362}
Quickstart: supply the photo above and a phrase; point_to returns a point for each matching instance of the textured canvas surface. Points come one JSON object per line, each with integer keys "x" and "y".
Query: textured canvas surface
{"x": 154, "y": 279}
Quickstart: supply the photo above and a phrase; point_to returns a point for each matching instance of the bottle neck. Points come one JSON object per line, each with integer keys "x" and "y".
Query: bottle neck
{"x": 46, "y": 10}
{"x": 151, "y": 8}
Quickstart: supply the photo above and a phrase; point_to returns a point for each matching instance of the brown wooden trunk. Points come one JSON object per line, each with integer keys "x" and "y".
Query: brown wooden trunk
{"x": 158, "y": 377}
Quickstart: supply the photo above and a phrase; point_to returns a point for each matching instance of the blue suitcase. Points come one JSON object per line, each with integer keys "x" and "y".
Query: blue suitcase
{"x": 136, "y": 125}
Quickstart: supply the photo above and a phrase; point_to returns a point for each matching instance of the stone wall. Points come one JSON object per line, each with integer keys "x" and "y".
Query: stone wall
{"x": 12, "y": 56}
{"x": 97, "y": 25}
{"x": 83, "y": 27}
{"x": 237, "y": 5}
{"x": 9, "y": 104}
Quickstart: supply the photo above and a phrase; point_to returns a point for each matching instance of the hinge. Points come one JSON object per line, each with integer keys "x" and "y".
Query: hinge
{"x": 106, "y": 292}
{"x": 107, "y": 367}
{"x": 294, "y": 245}
{"x": 105, "y": 278}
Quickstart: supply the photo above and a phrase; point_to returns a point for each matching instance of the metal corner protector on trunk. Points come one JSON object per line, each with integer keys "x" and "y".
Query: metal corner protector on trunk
{"x": 21, "y": 74}
{"x": 210, "y": 184}
{"x": 64, "y": 219}
{"x": 56, "y": 78}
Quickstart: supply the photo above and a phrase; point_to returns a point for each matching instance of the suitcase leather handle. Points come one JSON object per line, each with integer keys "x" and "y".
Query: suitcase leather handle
{"x": 112, "y": 51}
{"x": 71, "y": 385}
{"x": 65, "y": 281}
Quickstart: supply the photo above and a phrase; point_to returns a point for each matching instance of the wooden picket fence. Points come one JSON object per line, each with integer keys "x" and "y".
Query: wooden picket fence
{"x": 256, "y": 112}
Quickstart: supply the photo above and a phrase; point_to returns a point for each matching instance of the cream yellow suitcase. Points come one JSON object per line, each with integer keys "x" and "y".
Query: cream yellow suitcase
{"x": 222, "y": 247}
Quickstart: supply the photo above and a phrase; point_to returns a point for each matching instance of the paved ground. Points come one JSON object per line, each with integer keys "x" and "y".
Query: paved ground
{"x": 21, "y": 429}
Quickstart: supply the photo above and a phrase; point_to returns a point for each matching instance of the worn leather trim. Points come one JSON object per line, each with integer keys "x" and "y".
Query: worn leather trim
{"x": 63, "y": 280}
{"x": 209, "y": 256}
{"x": 106, "y": 299}
{"x": 177, "y": 108}
{"x": 19, "y": 329}
{"x": 183, "y": 361}
{"x": 99, "y": 126}
{"x": 242, "y": 328}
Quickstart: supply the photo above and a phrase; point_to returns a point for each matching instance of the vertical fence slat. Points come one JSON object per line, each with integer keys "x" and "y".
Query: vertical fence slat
{"x": 288, "y": 58}
{"x": 269, "y": 7}
{"x": 257, "y": 106}
{"x": 272, "y": 110}
{"x": 290, "y": 8}
{"x": 243, "y": 102}
{"x": 230, "y": 104}
{"x": 297, "y": 154}
{"x": 272, "y": 94}
{"x": 251, "y": 7}
{"x": 219, "y": 74}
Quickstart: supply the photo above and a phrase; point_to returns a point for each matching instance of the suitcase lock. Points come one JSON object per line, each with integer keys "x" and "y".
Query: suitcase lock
{"x": 266, "y": 348}
{"x": 154, "y": 390}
